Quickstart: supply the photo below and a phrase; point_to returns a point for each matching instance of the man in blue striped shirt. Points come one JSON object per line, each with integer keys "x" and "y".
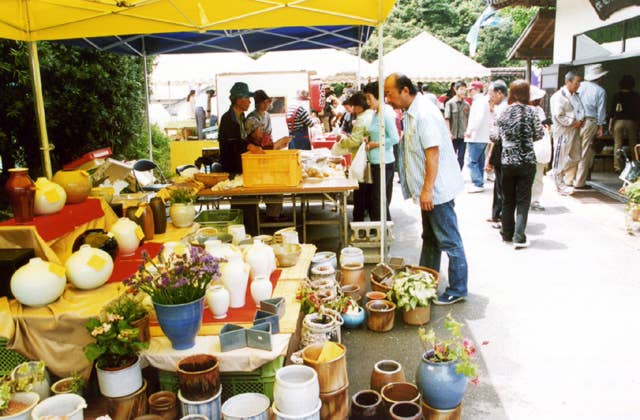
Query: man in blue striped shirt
{"x": 429, "y": 172}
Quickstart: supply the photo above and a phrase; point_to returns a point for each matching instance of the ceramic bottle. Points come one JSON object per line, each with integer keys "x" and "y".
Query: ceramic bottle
{"x": 21, "y": 191}
{"x": 261, "y": 258}
{"x": 261, "y": 289}
{"x": 235, "y": 276}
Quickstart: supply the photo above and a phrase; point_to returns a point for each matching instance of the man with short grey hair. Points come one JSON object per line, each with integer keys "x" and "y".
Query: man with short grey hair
{"x": 567, "y": 114}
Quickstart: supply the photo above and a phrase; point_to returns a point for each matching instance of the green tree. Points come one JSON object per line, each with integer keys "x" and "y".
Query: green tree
{"x": 92, "y": 100}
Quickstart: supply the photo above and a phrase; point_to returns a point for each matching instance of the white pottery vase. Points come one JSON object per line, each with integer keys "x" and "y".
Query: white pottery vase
{"x": 351, "y": 255}
{"x": 128, "y": 234}
{"x": 182, "y": 215}
{"x": 89, "y": 268}
{"x": 219, "y": 250}
{"x": 50, "y": 197}
{"x": 261, "y": 258}
{"x": 235, "y": 276}
{"x": 38, "y": 283}
{"x": 120, "y": 382}
{"x": 261, "y": 289}
{"x": 218, "y": 299}
{"x": 296, "y": 390}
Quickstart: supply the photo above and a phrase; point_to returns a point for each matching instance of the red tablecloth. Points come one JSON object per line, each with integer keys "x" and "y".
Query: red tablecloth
{"x": 124, "y": 267}
{"x": 53, "y": 226}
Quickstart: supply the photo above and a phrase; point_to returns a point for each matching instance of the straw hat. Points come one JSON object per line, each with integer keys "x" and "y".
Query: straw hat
{"x": 536, "y": 93}
{"x": 594, "y": 72}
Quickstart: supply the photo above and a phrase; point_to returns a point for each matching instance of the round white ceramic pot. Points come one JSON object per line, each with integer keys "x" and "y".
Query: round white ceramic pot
{"x": 250, "y": 405}
{"x": 235, "y": 277}
{"x": 261, "y": 289}
{"x": 30, "y": 399}
{"x": 61, "y": 406}
{"x": 261, "y": 258}
{"x": 128, "y": 235}
{"x": 38, "y": 283}
{"x": 50, "y": 197}
{"x": 89, "y": 268}
{"x": 218, "y": 300}
{"x": 120, "y": 382}
{"x": 182, "y": 215}
{"x": 296, "y": 390}
{"x": 312, "y": 415}
{"x": 351, "y": 255}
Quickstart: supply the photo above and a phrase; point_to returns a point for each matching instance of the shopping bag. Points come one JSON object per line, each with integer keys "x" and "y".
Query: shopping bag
{"x": 542, "y": 148}
{"x": 359, "y": 164}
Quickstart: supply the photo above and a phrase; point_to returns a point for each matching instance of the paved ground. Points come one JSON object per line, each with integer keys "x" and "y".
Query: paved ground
{"x": 560, "y": 316}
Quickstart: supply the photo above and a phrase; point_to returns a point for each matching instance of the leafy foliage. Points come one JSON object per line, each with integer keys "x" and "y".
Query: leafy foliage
{"x": 116, "y": 341}
{"x": 182, "y": 196}
{"x": 128, "y": 306}
{"x": 632, "y": 192}
{"x": 411, "y": 289}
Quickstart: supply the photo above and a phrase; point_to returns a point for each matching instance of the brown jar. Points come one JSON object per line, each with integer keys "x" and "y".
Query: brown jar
{"x": 21, "y": 191}
{"x": 147, "y": 221}
{"x": 164, "y": 404}
{"x": 159, "y": 215}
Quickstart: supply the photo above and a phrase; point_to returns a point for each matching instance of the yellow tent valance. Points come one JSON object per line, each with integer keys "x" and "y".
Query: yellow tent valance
{"x": 37, "y": 20}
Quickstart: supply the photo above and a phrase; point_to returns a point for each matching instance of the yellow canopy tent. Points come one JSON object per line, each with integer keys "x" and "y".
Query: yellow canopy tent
{"x": 38, "y": 20}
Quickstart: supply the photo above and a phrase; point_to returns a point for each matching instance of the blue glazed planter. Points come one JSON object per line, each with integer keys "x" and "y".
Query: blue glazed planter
{"x": 181, "y": 323}
{"x": 441, "y": 387}
{"x": 354, "y": 320}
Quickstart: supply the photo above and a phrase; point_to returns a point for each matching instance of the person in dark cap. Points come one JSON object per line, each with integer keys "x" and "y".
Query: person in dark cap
{"x": 258, "y": 123}
{"x": 233, "y": 142}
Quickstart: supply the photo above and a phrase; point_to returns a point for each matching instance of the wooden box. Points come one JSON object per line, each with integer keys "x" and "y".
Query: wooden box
{"x": 274, "y": 168}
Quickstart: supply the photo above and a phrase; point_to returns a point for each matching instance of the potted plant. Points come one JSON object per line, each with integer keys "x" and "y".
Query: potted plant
{"x": 445, "y": 366}
{"x": 16, "y": 403}
{"x": 32, "y": 376}
{"x": 412, "y": 291}
{"x": 352, "y": 314}
{"x": 74, "y": 384}
{"x": 182, "y": 211}
{"x": 132, "y": 309}
{"x": 177, "y": 284}
{"x": 115, "y": 353}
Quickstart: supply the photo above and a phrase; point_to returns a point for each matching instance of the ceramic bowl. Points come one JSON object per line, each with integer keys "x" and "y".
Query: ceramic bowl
{"x": 354, "y": 320}
{"x": 287, "y": 254}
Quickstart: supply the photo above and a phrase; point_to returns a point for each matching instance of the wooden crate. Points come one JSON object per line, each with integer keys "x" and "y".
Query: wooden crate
{"x": 274, "y": 168}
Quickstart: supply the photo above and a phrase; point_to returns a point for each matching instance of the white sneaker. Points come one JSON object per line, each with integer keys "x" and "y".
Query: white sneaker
{"x": 518, "y": 245}
{"x": 473, "y": 189}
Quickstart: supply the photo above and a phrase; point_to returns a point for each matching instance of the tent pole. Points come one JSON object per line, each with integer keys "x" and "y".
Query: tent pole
{"x": 381, "y": 148}
{"x": 359, "y": 70}
{"x": 38, "y": 98}
{"x": 146, "y": 94}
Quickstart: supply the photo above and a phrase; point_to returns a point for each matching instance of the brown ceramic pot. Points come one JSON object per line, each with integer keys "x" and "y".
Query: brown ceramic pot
{"x": 164, "y": 404}
{"x": 147, "y": 221}
{"x": 384, "y": 372}
{"x": 130, "y": 406}
{"x": 142, "y": 325}
{"x": 335, "y": 405}
{"x": 405, "y": 411}
{"x": 22, "y": 192}
{"x": 373, "y": 295}
{"x": 332, "y": 375}
{"x": 353, "y": 273}
{"x": 77, "y": 185}
{"x": 380, "y": 315}
{"x": 366, "y": 404}
{"x": 431, "y": 413}
{"x": 395, "y": 392}
{"x": 159, "y": 215}
{"x": 352, "y": 291}
{"x": 199, "y": 377}
{"x": 418, "y": 316}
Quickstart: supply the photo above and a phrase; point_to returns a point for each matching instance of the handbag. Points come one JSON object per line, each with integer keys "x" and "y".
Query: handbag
{"x": 542, "y": 148}
{"x": 359, "y": 164}
{"x": 368, "y": 172}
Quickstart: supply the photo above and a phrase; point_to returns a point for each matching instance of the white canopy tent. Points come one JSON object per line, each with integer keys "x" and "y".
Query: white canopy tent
{"x": 425, "y": 58}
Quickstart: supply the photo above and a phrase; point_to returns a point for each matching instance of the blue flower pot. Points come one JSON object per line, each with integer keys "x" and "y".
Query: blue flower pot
{"x": 354, "y": 320}
{"x": 441, "y": 387}
{"x": 181, "y": 323}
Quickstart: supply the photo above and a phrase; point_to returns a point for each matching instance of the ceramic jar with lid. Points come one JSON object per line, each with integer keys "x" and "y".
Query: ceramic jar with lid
{"x": 89, "y": 268}
{"x": 38, "y": 283}
{"x": 21, "y": 191}
{"x": 351, "y": 256}
{"x": 50, "y": 197}
{"x": 128, "y": 234}
{"x": 77, "y": 185}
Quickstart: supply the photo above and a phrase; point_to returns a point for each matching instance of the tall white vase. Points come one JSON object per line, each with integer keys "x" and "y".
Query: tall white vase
{"x": 235, "y": 276}
{"x": 261, "y": 289}
{"x": 261, "y": 258}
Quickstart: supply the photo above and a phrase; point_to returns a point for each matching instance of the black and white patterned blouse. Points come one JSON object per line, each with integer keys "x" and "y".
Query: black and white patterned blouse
{"x": 519, "y": 127}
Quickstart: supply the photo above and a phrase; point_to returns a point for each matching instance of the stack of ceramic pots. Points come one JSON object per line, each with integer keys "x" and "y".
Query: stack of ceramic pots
{"x": 247, "y": 406}
{"x": 296, "y": 393}
{"x": 200, "y": 387}
{"x": 352, "y": 267}
{"x": 329, "y": 361}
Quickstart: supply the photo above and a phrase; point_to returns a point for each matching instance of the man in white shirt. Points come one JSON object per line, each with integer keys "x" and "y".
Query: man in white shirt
{"x": 594, "y": 100}
{"x": 477, "y": 135}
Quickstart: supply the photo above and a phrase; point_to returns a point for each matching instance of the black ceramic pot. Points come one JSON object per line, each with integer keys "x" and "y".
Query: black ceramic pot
{"x": 97, "y": 238}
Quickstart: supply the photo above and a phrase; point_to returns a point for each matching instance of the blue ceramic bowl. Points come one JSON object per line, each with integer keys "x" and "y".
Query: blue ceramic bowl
{"x": 354, "y": 320}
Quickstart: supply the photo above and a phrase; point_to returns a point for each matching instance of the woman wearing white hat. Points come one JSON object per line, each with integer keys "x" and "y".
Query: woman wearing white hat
{"x": 542, "y": 148}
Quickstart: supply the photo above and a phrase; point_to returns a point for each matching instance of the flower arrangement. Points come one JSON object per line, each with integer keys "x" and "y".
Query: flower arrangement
{"x": 632, "y": 192}
{"x": 128, "y": 306}
{"x": 182, "y": 196}
{"x": 175, "y": 279}
{"x": 412, "y": 288}
{"x": 455, "y": 348}
{"x": 116, "y": 341}
{"x": 314, "y": 300}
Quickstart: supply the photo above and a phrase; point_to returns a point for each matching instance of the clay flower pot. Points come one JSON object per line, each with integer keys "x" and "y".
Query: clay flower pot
{"x": 418, "y": 316}
{"x": 384, "y": 372}
{"x": 395, "y": 392}
{"x": 367, "y": 404}
{"x": 405, "y": 411}
{"x": 380, "y": 315}
{"x": 199, "y": 377}
{"x": 332, "y": 374}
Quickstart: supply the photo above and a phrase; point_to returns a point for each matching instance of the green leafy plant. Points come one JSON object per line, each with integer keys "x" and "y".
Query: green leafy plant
{"x": 116, "y": 342}
{"x": 412, "y": 288}
{"x": 315, "y": 300}
{"x": 182, "y": 196}
{"x": 181, "y": 277}
{"x": 27, "y": 374}
{"x": 78, "y": 384}
{"x": 128, "y": 306}
{"x": 455, "y": 348}
{"x": 632, "y": 192}
{"x": 7, "y": 389}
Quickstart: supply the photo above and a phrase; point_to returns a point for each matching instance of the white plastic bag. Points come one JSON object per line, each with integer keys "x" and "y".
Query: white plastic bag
{"x": 359, "y": 163}
{"x": 542, "y": 148}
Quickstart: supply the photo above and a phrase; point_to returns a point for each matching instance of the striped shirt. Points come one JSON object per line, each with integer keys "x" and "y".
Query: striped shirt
{"x": 425, "y": 128}
{"x": 297, "y": 117}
